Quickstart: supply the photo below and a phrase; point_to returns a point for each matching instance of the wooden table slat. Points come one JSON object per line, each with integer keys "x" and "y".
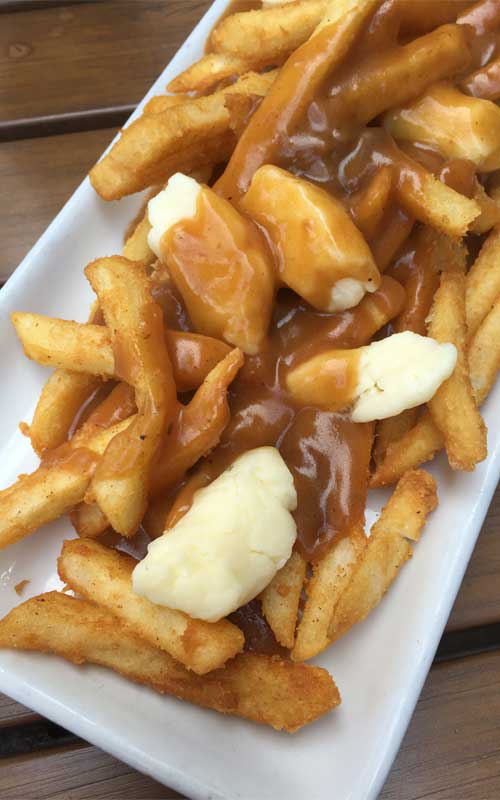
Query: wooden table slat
{"x": 12, "y": 713}
{"x": 88, "y": 56}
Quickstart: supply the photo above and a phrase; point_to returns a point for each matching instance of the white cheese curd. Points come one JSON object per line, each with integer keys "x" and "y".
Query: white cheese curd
{"x": 400, "y": 372}
{"x": 228, "y": 547}
{"x": 348, "y": 292}
{"x": 177, "y": 201}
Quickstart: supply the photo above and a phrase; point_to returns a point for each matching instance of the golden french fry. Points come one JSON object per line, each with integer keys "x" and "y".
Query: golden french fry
{"x": 431, "y": 201}
{"x": 417, "y": 446}
{"x": 391, "y": 430}
{"x": 280, "y": 600}
{"x": 453, "y": 408}
{"x": 387, "y": 549}
{"x": 329, "y": 579}
{"x": 163, "y": 101}
{"x": 136, "y": 248}
{"x": 206, "y": 73}
{"x": 456, "y": 125}
{"x": 62, "y": 397}
{"x": 483, "y": 283}
{"x": 484, "y": 354}
{"x": 55, "y": 487}
{"x": 484, "y": 82}
{"x": 120, "y": 484}
{"x": 198, "y": 427}
{"x": 88, "y": 520}
{"x": 290, "y": 95}
{"x": 103, "y": 576}
{"x": 490, "y": 211}
{"x": 178, "y": 139}
{"x": 267, "y": 35}
{"x": 88, "y": 348}
{"x": 260, "y": 688}
{"x": 396, "y": 76}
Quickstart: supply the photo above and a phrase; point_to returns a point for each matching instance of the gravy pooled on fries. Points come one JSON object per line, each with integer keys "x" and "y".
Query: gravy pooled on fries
{"x": 309, "y": 305}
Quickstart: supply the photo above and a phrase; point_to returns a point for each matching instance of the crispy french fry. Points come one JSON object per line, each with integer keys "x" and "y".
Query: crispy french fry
{"x": 88, "y": 520}
{"x": 329, "y": 579}
{"x": 267, "y": 35}
{"x": 198, "y": 427}
{"x": 388, "y": 548}
{"x": 483, "y": 283}
{"x": 453, "y": 408}
{"x": 484, "y": 354}
{"x": 63, "y": 395}
{"x": 417, "y": 446}
{"x": 431, "y": 201}
{"x": 206, "y": 73}
{"x": 136, "y": 248}
{"x": 280, "y": 600}
{"x": 161, "y": 102}
{"x": 396, "y": 76}
{"x": 55, "y": 487}
{"x": 291, "y": 93}
{"x": 391, "y": 430}
{"x": 484, "y": 82}
{"x": 88, "y": 349}
{"x": 177, "y": 139}
{"x": 260, "y": 688}
{"x": 490, "y": 211}
{"x": 103, "y": 576}
{"x": 120, "y": 484}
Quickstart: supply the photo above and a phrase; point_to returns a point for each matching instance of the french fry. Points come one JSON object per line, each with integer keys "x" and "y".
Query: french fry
{"x": 388, "y": 547}
{"x": 280, "y": 600}
{"x": 198, "y": 427}
{"x": 206, "y": 73}
{"x": 453, "y": 408}
{"x": 396, "y": 227}
{"x": 55, "y": 487}
{"x": 432, "y": 202}
{"x": 484, "y": 82}
{"x": 329, "y": 579}
{"x": 483, "y": 283}
{"x": 290, "y": 95}
{"x": 88, "y": 520}
{"x": 417, "y": 446}
{"x": 484, "y": 354}
{"x": 490, "y": 211}
{"x": 259, "y": 688}
{"x": 88, "y": 348}
{"x": 267, "y": 36}
{"x": 396, "y": 76}
{"x": 121, "y": 482}
{"x": 179, "y": 139}
{"x": 62, "y": 396}
{"x": 103, "y": 576}
{"x": 136, "y": 248}
{"x": 392, "y": 430}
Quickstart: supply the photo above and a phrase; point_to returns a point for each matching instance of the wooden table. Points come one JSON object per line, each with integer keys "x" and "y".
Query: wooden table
{"x": 70, "y": 74}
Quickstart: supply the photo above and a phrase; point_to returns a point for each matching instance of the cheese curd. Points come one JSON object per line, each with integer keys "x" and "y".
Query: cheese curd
{"x": 230, "y": 544}
{"x": 377, "y": 381}
{"x": 177, "y": 201}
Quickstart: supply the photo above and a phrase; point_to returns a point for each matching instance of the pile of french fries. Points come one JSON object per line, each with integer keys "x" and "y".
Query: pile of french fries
{"x": 115, "y": 440}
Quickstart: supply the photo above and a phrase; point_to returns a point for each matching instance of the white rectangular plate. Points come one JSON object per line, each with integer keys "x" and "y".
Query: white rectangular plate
{"x": 379, "y": 667}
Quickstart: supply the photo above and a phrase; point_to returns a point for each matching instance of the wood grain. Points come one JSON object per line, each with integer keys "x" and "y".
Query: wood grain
{"x": 88, "y": 56}
{"x": 76, "y": 774}
{"x": 12, "y": 713}
{"x": 452, "y": 748}
{"x": 38, "y": 176}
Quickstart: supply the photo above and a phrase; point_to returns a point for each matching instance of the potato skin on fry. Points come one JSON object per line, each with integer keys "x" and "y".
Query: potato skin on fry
{"x": 103, "y": 576}
{"x": 260, "y": 688}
